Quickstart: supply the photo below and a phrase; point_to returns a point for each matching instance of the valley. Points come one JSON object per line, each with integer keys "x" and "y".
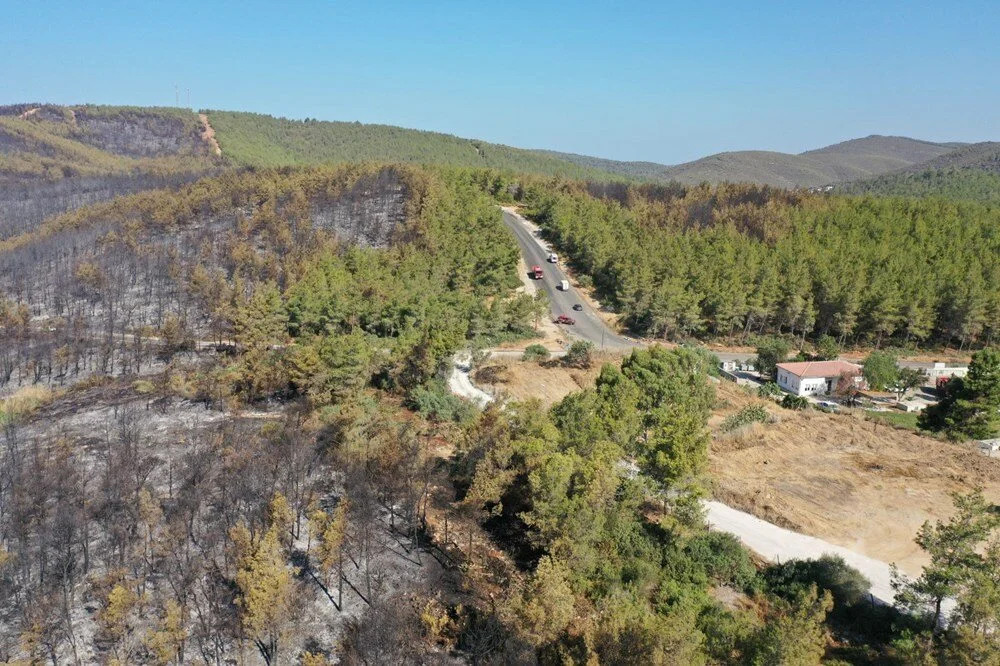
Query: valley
{"x": 280, "y": 391}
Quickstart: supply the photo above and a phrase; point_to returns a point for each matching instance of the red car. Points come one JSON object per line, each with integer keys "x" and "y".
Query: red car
{"x": 563, "y": 319}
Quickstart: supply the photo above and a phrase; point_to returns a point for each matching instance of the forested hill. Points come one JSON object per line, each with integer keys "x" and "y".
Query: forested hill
{"x": 261, "y": 140}
{"x": 849, "y": 160}
{"x": 971, "y": 172}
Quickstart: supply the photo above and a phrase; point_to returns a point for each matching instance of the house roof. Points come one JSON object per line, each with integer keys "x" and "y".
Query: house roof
{"x": 813, "y": 369}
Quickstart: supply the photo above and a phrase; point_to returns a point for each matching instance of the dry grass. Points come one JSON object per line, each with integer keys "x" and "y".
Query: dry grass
{"x": 549, "y": 382}
{"x": 863, "y": 485}
{"x": 24, "y": 402}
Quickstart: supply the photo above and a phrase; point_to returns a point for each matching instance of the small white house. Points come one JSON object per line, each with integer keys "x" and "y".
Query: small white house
{"x": 939, "y": 370}
{"x": 816, "y": 377}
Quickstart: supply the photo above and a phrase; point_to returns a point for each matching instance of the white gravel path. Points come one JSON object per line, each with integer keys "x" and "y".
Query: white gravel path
{"x": 461, "y": 385}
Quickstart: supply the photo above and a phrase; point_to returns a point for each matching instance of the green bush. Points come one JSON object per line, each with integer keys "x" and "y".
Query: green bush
{"x": 769, "y": 390}
{"x": 847, "y": 585}
{"x": 725, "y": 559}
{"x": 746, "y": 416}
{"x": 433, "y": 400}
{"x": 794, "y": 402}
{"x": 580, "y": 354}
{"x": 535, "y": 353}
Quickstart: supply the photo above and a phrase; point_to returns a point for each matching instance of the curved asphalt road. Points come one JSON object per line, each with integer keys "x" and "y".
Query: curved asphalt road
{"x": 589, "y": 325}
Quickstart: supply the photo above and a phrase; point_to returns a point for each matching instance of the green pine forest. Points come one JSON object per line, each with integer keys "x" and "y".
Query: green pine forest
{"x": 735, "y": 260}
{"x": 968, "y": 184}
{"x": 260, "y": 140}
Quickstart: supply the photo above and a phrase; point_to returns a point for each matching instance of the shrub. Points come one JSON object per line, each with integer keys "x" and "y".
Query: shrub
{"x": 580, "y": 354}
{"x": 23, "y": 402}
{"x": 794, "y": 402}
{"x": 847, "y": 585}
{"x": 433, "y": 400}
{"x": 744, "y": 417}
{"x": 770, "y": 353}
{"x": 709, "y": 361}
{"x": 827, "y": 348}
{"x": 725, "y": 559}
{"x": 535, "y": 353}
{"x": 769, "y": 390}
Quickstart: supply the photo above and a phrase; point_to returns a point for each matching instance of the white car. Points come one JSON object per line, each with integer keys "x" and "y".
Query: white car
{"x": 553, "y": 258}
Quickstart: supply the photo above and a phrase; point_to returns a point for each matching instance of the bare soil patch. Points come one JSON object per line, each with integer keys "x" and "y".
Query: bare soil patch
{"x": 862, "y": 485}
{"x": 208, "y": 134}
{"x": 550, "y": 381}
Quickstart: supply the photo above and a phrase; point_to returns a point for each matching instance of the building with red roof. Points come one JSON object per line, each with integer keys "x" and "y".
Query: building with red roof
{"x": 808, "y": 378}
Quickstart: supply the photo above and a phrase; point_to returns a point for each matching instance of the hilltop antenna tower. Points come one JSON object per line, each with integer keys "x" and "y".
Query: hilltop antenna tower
{"x": 189, "y": 98}
{"x": 177, "y": 96}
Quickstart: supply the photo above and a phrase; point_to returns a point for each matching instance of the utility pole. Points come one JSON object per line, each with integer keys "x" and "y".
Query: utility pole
{"x": 177, "y": 96}
{"x": 189, "y": 98}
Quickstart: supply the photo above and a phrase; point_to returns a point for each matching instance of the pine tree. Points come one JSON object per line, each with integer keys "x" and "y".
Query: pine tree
{"x": 266, "y": 584}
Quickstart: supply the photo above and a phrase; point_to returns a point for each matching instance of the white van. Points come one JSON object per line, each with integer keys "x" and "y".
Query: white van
{"x": 564, "y": 285}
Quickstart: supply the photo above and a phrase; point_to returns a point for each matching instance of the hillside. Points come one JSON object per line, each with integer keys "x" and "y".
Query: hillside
{"x": 971, "y": 172}
{"x": 54, "y": 159}
{"x": 984, "y": 156}
{"x": 966, "y": 184}
{"x": 56, "y": 142}
{"x": 849, "y": 160}
{"x": 261, "y": 140}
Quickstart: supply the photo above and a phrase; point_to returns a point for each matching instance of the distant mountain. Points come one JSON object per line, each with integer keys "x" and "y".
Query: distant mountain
{"x": 970, "y": 172}
{"x": 122, "y": 149}
{"x": 850, "y": 160}
{"x": 983, "y": 156}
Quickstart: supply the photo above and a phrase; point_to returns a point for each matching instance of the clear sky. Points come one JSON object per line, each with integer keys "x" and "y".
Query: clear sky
{"x": 662, "y": 81}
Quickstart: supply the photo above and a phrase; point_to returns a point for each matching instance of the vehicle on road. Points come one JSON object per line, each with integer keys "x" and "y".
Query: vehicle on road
{"x": 564, "y": 285}
{"x": 563, "y": 319}
{"x": 553, "y": 258}
{"x": 537, "y": 273}
{"x": 828, "y": 406}
{"x": 577, "y": 307}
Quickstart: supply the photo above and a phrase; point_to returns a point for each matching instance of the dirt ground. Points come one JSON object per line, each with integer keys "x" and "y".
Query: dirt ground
{"x": 550, "y": 382}
{"x": 860, "y": 485}
{"x": 208, "y": 134}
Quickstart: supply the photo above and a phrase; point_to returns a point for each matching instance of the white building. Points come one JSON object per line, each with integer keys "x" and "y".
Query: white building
{"x": 941, "y": 370}
{"x": 816, "y": 377}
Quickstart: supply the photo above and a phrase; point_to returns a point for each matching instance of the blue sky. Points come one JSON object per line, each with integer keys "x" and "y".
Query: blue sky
{"x": 659, "y": 81}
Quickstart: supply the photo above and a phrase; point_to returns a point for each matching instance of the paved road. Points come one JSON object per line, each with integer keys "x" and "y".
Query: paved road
{"x": 589, "y": 325}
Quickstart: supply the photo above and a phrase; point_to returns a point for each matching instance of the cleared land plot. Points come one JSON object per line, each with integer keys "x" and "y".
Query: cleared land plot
{"x": 863, "y": 485}
{"x": 549, "y": 381}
